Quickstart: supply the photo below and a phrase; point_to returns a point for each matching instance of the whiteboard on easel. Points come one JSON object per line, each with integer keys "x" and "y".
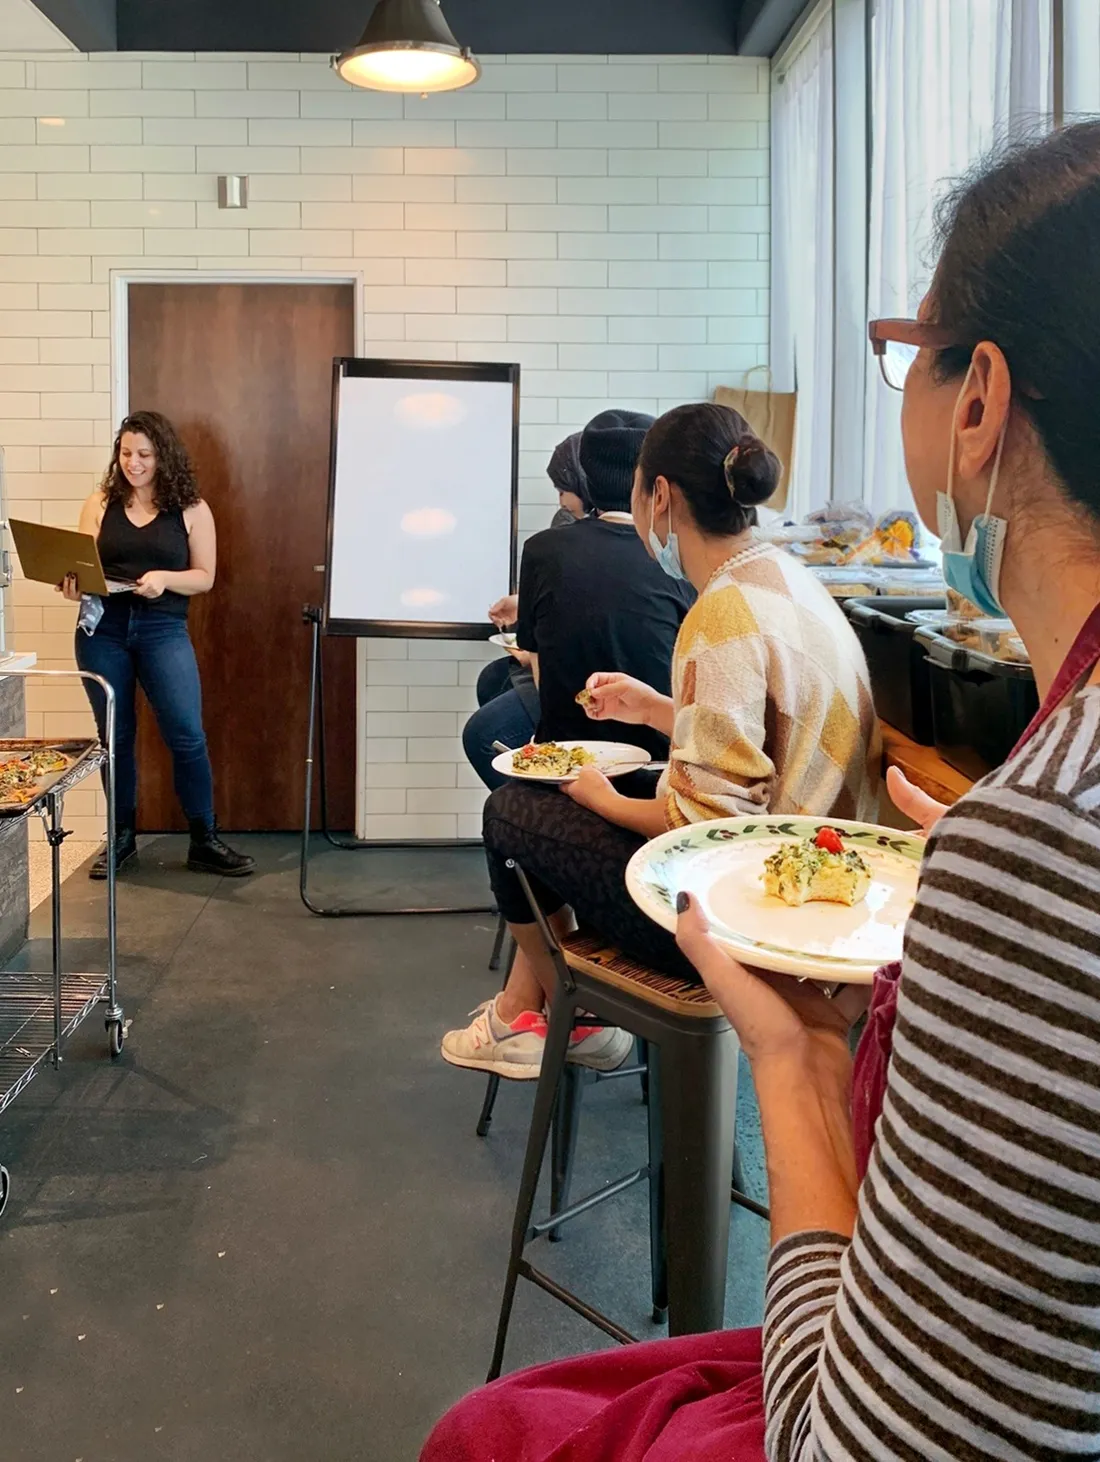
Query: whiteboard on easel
{"x": 423, "y": 497}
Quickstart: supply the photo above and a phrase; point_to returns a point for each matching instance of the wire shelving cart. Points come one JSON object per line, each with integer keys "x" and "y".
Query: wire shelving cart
{"x": 39, "y": 1010}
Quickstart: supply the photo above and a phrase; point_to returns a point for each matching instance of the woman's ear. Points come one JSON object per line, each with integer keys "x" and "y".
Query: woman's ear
{"x": 983, "y": 411}
{"x": 662, "y": 496}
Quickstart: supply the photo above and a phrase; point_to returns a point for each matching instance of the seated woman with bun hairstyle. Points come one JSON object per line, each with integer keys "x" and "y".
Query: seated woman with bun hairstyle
{"x": 770, "y": 711}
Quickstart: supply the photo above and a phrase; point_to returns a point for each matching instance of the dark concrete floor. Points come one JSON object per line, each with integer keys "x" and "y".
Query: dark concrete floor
{"x": 269, "y": 1233}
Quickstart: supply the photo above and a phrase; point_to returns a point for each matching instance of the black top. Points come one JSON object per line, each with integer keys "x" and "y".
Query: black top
{"x": 127, "y": 551}
{"x": 593, "y": 599}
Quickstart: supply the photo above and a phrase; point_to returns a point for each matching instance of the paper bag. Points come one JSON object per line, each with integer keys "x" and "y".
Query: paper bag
{"x": 771, "y": 414}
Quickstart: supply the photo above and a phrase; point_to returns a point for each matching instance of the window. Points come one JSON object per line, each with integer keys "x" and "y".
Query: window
{"x": 948, "y": 79}
{"x": 802, "y": 324}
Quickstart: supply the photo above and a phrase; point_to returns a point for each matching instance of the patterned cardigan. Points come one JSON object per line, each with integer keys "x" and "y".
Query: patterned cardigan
{"x": 773, "y": 707}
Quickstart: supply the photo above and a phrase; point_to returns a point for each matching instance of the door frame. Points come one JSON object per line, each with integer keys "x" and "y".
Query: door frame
{"x": 120, "y": 281}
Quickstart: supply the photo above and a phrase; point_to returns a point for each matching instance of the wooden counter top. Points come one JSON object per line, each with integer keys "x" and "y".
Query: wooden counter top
{"x": 924, "y": 767}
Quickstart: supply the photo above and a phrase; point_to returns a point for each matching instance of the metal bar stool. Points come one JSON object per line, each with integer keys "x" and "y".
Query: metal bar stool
{"x": 691, "y": 1111}
{"x": 568, "y": 1112}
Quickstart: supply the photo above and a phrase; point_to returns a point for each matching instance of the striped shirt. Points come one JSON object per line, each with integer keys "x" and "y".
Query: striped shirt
{"x": 962, "y": 1321}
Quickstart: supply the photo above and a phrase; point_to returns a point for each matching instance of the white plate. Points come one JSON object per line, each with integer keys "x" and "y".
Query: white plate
{"x": 505, "y": 642}
{"x": 722, "y": 864}
{"x": 613, "y": 758}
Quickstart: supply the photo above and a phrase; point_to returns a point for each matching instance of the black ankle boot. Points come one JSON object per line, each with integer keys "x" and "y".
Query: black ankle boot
{"x": 208, "y": 854}
{"x": 125, "y": 849}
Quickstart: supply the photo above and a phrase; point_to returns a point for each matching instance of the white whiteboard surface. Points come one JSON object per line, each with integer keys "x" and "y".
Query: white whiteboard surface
{"x": 421, "y": 524}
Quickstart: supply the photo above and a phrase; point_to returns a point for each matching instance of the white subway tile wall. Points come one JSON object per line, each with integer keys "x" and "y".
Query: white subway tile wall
{"x": 601, "y": 220}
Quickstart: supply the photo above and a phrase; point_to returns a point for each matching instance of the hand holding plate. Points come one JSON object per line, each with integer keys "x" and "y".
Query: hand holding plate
{"x": 776, "y": 1017}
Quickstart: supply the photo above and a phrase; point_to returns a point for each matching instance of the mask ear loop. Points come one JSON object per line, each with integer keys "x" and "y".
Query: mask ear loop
{"x": 995, "y": 474}
{"x": 996, "y": 466}
{"x": 652, "y": 525}
{"x": 955, "y": 434}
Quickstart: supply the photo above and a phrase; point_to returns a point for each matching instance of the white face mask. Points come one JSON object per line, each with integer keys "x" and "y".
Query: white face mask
{"x": 667, "y": 554}
{"x": 974, "y": 569}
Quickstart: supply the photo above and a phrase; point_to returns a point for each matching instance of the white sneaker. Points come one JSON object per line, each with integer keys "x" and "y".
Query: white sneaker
{"x": 488, "y": 1044}
{"x": 600, "y": 1047}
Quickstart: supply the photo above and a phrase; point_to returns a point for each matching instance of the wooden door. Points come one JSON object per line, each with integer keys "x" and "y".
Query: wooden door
{"x": 245, "y": 373}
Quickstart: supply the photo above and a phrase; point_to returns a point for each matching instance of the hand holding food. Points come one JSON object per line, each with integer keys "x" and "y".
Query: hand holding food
{"x": 817, "y": 869}
{"x": 505, "y": 611}
{"x": 612, "y": 696}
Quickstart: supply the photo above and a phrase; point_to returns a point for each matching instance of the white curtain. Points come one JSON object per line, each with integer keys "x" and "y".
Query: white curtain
{"x": 802, "y": 259}
{"x": 1081, "y": 52}
{"x": 949, "y": 78}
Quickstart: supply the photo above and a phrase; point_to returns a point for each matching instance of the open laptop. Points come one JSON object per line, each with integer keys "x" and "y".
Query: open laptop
{"x": 50, "y": 554}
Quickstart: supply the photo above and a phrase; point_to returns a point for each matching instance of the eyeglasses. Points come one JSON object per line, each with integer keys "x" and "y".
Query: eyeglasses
{"x": 897, "y": 342}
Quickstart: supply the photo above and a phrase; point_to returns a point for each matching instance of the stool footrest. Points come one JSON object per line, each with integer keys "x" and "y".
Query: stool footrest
{"x": 744, "y": 1201}
{"x": 621, "y": 1071}
{"x": 610, "y": 1190}
{"x": 576, "y": 1304}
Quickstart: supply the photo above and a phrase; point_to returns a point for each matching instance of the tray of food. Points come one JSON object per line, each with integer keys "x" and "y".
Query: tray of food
{"x": 561, "y": 761}
{"x": 29, "y": 768}
{"x": 823, "y": 901}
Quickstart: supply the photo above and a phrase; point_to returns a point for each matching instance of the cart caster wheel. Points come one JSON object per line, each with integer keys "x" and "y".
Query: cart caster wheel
{"x": 5, "y": 1190}
{"x": 116, "y": 1038}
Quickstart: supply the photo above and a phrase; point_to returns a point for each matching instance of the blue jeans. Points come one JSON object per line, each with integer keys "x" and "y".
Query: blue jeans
{"x": 134, "y": 645}
{"x": 504, "y": 714}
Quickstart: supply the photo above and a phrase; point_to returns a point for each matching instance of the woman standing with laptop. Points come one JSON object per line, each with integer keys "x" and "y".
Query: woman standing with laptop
{"x": 153, "y": 528}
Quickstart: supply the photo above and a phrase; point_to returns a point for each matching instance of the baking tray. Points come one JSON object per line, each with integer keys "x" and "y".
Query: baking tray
{"x": 75, "y": 751}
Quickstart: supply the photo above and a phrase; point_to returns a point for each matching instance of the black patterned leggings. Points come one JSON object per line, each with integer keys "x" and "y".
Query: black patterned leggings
{"x": 572, "y": 856}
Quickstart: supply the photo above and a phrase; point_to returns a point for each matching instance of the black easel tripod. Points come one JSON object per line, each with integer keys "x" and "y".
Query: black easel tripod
{"x": 315, "y": 736}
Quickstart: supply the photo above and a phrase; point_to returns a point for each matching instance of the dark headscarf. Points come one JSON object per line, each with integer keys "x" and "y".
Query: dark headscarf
{"x": 565, "y": 471}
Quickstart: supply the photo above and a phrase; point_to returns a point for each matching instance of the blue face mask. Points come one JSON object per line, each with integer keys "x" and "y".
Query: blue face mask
{"x": 974, "y": 569}
{"x": 666, "y": 554}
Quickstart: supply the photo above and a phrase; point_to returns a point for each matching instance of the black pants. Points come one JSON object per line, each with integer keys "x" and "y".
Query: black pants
{"x": 573, "y": 856}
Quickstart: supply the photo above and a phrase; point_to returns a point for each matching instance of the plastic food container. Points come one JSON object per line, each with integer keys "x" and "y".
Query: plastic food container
{"x": 898, "y": 665}
{"x": 981, "y": 706}
{"x": 907, "y": 582}
{"x": 783, "y": 534}
{"x": 998, "y": 639}
{"x": 849, "y": 583}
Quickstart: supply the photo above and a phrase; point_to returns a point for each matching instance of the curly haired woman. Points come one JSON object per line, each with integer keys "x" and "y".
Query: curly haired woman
{"x": 153, "y": 529}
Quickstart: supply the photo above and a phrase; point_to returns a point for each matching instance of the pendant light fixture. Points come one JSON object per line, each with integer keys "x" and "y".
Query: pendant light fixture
{"x": 408, "y": 46}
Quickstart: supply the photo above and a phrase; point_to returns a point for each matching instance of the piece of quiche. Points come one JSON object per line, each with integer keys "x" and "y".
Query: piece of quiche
{"x": 817, "y": 869}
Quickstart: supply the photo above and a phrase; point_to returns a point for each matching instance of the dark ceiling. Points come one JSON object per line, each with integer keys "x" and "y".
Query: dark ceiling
{"x": 489, "y": 27}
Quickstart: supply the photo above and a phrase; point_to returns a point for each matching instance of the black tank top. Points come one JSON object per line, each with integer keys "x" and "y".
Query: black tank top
{"x": 127, "y": 552}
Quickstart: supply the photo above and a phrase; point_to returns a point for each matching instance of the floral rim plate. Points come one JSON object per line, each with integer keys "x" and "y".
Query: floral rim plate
{"x": 721, "y": 863}
{"x": 613, "y": 758}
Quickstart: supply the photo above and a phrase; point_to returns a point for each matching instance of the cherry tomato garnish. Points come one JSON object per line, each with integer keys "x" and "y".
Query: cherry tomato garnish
{"x": 828, "y": 840}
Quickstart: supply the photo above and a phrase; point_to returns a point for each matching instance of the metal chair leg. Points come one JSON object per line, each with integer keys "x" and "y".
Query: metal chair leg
{"x": 484, "y": 1122}
{"x": 658, "y": 1228}
{"x": 643, "y": 1061}
{"x": 542, "y": 1118}
{"x": 498, "y": 943}
{"x": 698, "y": 1100}
{"x": 492, "y": 1086}
{"x": 563, "y": 1146}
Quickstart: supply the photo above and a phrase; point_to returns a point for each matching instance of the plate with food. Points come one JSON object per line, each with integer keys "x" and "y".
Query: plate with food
{"x": 505, "y": 640}
{"x": 801, "y": 896}
{"x": 560, "y": 761}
